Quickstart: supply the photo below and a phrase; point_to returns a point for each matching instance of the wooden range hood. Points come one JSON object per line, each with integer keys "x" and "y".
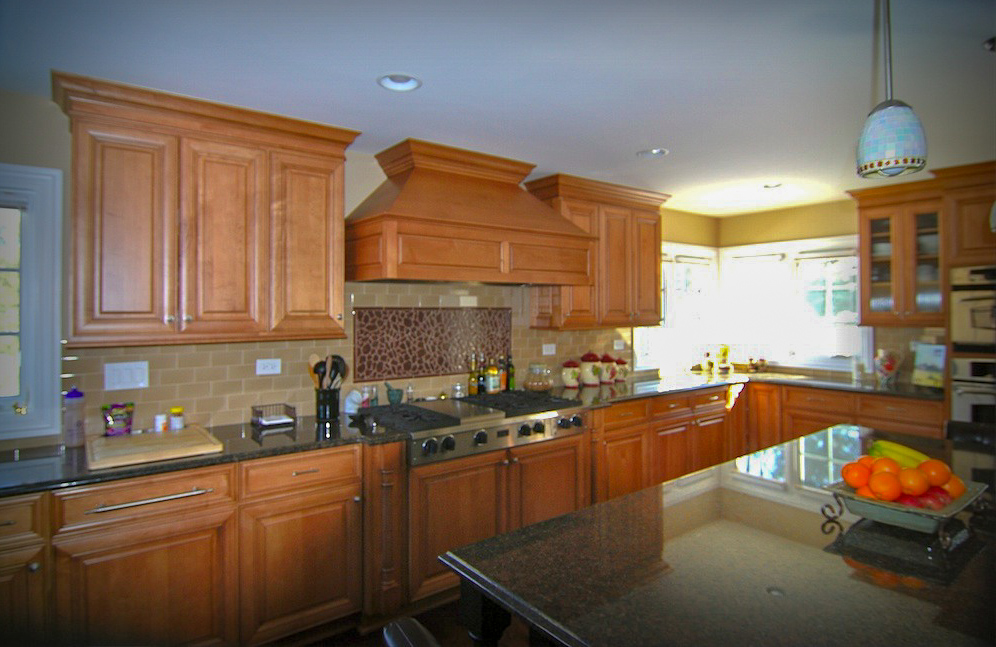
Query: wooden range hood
{"x": 447, "y": 214}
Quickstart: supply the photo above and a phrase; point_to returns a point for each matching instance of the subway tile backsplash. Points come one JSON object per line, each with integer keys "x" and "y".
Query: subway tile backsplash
{"x": 217, "y": 383}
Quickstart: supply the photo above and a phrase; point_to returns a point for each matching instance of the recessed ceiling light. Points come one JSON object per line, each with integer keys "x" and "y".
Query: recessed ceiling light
{"x": 399, "y": 82}
{"x": 772, "y": 185}
{"x": 653, "y": 152}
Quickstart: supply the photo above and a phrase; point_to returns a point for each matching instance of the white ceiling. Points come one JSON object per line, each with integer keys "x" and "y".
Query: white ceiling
{"x": 742, "y": 93}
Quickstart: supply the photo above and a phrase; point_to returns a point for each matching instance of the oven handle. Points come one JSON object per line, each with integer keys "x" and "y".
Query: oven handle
{"x": 964, "y": 391}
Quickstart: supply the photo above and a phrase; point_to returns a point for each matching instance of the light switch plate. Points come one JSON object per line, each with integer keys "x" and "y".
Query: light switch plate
{"x": 126, "y": 375}
{"x": 618, "y": 344}
{"x": 268, "y": 366}
{"x": 549, "y": 349}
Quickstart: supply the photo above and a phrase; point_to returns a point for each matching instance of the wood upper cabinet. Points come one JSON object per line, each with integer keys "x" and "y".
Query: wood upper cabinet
{"x": 627, "y": 288}
{"x": 969, "y": 195}
{"x": 194, "y": 221}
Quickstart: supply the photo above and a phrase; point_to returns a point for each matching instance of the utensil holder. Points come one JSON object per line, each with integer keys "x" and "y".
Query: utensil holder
{"x": 326, "y": 404}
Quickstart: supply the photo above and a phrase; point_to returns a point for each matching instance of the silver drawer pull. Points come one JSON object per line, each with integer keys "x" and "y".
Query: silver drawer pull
{"x": 626, "y": 414}
{"x": 159, "y": 499}
{"x": 715, "y": 397}
{"x": 311, "y": 471}
{"x": 8, "y": 522}
{"x": 672, "y": 405}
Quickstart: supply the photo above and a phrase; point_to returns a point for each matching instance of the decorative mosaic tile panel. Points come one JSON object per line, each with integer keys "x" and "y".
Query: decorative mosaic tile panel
{"x": 393, "y": 343}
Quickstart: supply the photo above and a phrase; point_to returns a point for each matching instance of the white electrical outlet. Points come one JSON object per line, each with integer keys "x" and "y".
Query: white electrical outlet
{"x": 268, "y": 366}
{"x": 549, "y": 349}
{"x": 126, "y": 375}
{"x": 618, "y": 344}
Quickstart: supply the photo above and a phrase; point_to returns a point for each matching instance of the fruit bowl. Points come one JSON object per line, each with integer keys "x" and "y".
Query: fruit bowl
{"x": 904, "y": 516}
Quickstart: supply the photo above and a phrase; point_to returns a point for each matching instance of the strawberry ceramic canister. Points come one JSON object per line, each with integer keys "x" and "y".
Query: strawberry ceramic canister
{"x": 622, "y": 370}
{"x": 570, "y": 374}
{"x": 591, "y": 368}
{"x": 608, "y": 375}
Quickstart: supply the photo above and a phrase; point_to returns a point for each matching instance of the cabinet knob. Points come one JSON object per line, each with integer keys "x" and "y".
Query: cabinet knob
{"x": 505, "y": 462}
{"x": 169, "y": 319}
{"x": 357, "y": 499}
{"x": 34, "y": 567}
{"x": 515, "y": 460}
{"x": 339, "y": 316}
{"x": 188, "y": 318}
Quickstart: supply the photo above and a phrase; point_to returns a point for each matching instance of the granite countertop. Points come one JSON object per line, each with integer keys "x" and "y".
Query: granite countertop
{"x": 45, "y": 468}
{"x": 707, "y": 561}
{"x": 642, "y": 387}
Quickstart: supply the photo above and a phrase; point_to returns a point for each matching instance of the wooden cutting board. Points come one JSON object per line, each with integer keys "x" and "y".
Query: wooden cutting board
{"x": 114, "y": 451}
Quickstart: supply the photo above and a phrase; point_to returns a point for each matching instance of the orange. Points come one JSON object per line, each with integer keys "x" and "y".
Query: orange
{"x": 867, "y": 461}
{"x": 885, "y": 464}
{"x": 913, "y": 481}
{"x": 865, "y": 491}
{"x": 885, "y": 486}
{"x": 955, "y": 487}
{"x": 936, "y": 471}
{"x": 855, "y": 474}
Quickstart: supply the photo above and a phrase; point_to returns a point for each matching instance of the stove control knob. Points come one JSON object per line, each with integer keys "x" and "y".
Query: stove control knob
{"x": 430, "y": 446}
{"x": 448, "y": 444}
{"x": 525, "y": 430}
{"x": 481, "y": 438}
{"x": 538, "y": 428}
{"x": 564, "y": 423}
{"x": 577, "y": 421}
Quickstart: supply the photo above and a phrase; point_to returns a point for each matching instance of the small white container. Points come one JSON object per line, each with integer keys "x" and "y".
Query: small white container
{"x": 176, "y": 421}
{"x": 73, "y": 419}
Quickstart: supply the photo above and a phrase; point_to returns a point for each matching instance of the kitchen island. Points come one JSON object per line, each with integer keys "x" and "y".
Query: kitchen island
{"x": 711, "y": 559}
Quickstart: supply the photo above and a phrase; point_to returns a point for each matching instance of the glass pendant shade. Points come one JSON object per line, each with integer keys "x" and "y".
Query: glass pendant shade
{"x": 892, "y": 142}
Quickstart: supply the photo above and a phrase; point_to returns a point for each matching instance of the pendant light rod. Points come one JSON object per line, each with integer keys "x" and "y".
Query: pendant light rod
{"x": 887, "y": 43}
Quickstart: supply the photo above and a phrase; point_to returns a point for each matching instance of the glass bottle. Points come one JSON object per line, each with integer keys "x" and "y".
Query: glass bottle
{"x": 502, "y": 374}
{"x": 472, "y": 376}
{"x": 492, "y": 380}
{"x": 510, "y": 369}
{"x": 482, "y": 375}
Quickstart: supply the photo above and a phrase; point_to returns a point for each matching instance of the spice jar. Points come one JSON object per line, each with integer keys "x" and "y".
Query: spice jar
{"x": 176, "y": 422}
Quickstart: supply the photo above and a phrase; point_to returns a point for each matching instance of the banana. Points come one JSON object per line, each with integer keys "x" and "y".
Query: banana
{"x": 905, "y": 456}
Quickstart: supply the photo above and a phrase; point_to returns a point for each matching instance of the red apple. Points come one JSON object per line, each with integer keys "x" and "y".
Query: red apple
{"x": 908, "y": 499}
{"x": 935, "y": 498}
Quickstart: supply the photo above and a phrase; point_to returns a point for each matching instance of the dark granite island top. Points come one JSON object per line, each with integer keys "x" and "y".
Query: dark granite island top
{"x": 706, "y": 561}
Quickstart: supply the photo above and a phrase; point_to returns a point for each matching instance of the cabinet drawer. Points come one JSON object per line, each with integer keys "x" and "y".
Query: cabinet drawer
{"x": 670, "y": 406}
{"x": 824, "y": 400}
{"x": 22, "y": 519}
{"x": 267, "y": 476}
{"x": 626, "y": 413}
{"x": 708, "y": 400}
{"x": 94, "y": 505}
{"x": 923, "y": 412}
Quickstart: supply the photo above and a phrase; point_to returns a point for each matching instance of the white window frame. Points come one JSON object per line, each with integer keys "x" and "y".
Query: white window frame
{"x": 37, "y": 193}
{"x": 790, "y": 252}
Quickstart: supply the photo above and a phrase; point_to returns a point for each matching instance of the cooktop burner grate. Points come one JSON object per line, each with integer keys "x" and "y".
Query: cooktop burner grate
{"x": 519, "y": 403}
{"x": 408, "y": 418}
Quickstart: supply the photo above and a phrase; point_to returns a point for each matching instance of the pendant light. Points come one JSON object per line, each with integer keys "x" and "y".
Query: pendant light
{"x": 892, "y": 141}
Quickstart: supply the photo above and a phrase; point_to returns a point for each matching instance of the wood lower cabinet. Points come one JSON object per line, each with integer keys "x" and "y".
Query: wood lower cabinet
{"x": 464, "y": 500}
{"x": 385, "y": 493}
{"x": 764, "y": 418}
{"x": 627, "y": 462}
{"x": 903, "y": 415}
{"x": 147, "y": 560}
{"x": 627, "y": 287}
{"x": 24, "y": 570}
{"x": 300, "y": 542}
{"x": 196, "y": 222}
{"x": 807, "y": 409}
{"x": 707, "y": 442}
{"x": 671, "y": 451}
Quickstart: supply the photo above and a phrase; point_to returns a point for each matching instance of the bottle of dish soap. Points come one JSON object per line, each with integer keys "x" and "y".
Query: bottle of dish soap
{"x": 73, "y": 419}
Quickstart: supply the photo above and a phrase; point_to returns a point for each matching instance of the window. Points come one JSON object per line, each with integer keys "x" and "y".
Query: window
{"x": 822, "y": 455}
{"x": 30, "y": 253}
{"x": 796, "y": 303}
{"x": 689, "y": 282}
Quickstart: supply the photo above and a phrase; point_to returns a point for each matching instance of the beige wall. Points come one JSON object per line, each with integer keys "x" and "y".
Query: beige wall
{"x": 811, "y": 221}
{"x": 689, "y": 228}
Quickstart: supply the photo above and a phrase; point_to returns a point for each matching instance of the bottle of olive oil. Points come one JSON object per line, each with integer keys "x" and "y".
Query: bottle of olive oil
{"x": 492, "y": 380}
{"x": 472, "y": 376}
{"x": 510, "y": 369}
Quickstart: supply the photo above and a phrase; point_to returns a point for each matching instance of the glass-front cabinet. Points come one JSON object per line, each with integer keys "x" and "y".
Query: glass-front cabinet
{"x": 901, "y": 264}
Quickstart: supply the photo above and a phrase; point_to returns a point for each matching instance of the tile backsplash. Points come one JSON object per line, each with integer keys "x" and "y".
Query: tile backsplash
{"x": 217, "y": 383}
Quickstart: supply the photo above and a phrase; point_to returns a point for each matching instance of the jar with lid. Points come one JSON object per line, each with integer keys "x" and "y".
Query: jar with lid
{"x": 176, "y": 422}
{"x": 73, "y": 421}
{"x": 538, "y": 379}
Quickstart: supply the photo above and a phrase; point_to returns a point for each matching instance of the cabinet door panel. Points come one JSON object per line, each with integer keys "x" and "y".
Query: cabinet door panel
{"x": 548, "y": 480}
{"x": 577, "y": 303}
{"x": 627, "y": 459}
{"x": 23, "y": 604}
{"x": 972, "y": 239}
{"x": 646, "y": 259}
{"x": 300, "y": 562}
{"x": 125, "y": 232}
{"x": 452, "y": 504}
{"x": 172, "y": 582}
{"x": 764, "y": 416}
{"x": 800, "y": 423}
{"x": 224, "y": 198}
{"x": 671, "y": 458}
{"x": 706, "y": 442}
{"x": 307, "y": 257}
{"x": 615, "y": 267}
